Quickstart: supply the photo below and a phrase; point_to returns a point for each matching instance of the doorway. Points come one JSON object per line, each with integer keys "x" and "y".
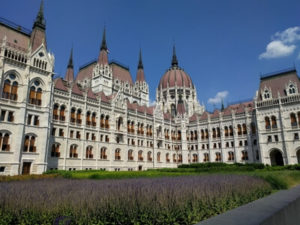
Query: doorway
{"x": 140, "y": 168}
{"x": 26, "y": 168}
{"x": 276, "y": 158}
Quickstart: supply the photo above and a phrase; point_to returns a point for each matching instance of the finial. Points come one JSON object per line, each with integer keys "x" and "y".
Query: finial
{"x": 40, "y": 21}
{"x": 103, "y": 44}
{"x": 70, "y": 64}
{"x": 174, "y": 58}
{"x": 140, "y": 65}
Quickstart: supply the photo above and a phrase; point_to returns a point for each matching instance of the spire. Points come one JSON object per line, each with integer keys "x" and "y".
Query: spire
{"x": 70, "y": 70}
{"x": 70, "y": 64}
{"x": 103, "y": 44}
{"x": 140, "y": 65}
{"x": 174, "y": 58}
{"x": 222, "y": 106}
{"x": 140, "y": 73}
{"x": 103, "y": 58}
{"x": 40, "y": 21}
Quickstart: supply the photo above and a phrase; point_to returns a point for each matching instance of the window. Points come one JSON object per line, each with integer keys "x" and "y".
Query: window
{"x": 61, "y": 132}
{"x": 93, "y": 137}
{"x": 73, "y": 151}
{"x": 130, "y": 155}
{"x": 2, "y": 117}
{"x": 36, "y": 121}
{"x": 10, "y": 88}
{"x": 55, "y": 150}
{"x": 269, "y": 138}
{"x": 140, "y": 156}
{"x": 230, "y": 131}
{"x": 78, "y": 135}
{"x": 227, "y": 144}
{"x": 226, "y": 131}
{"x": 296, "y": 136}
{"x": 107, "y": 122}
{"x": 53, "y": 131}
{"x": 78, "y": 117}
{"x": 2, "y": 169}
{"x": 88, "y": 118}
{"x": 239, "y": 129}
{"x": 62, "y": 113}
{"x": 89, "y": 152}
{"x": 87, "y": 136}
{"x": 254, "y": 142}
{"x": 158, "y": 157}
{"x": 195, "y": 158}
{"x": 267, "y": 123}
{"x": 232, "y": 144}
{"x": 266, "y": 94}
{"x": 174, "y": 158}
{"x": 206, "y": 157}
{"x": 241, "y": 143}
{"x": 94, "y": 119}
{"x": 103, "y": 153}
{"x": 71, "y": 133}
{"x": 149, "y": 157}
{"x": 72, "y": 116}
{"x": 29, "y": 119}
{"x": 244, "y": 155}
{"x": 276, "y": 138}
{"x": 35, "y": 93}
{"x": 246, "y": 143}
{"x": 10, "y": 117}
{"x": 29, "y": 144}
{"x": 293, "y": 120}
{"x": 274, "y": 122}
{"x": 55, "y": 112}
{"x": 107, "y": 139}
{"x": 4, "y": 142}
{"x": 244, "y": 129}
{"x": 292, "y": 89}
{"x": 230, "y": 156}
{"x": 117, "y": 154}
{"x": 167, "y": 157}
{"x": 218, "y": 157}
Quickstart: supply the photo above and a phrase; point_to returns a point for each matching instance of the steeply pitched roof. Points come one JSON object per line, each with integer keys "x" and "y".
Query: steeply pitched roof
{"x": 59, "y": 84}
{"x": 121, "y": 73}
{"x": 76, "y": 90}
{"x": 86, "y": 71}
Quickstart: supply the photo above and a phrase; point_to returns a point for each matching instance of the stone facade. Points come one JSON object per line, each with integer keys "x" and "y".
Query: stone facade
{"x": 101, "y": 119}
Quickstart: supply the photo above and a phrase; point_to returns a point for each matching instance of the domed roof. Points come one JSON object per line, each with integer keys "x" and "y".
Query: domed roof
{"x": 175, "y": 76}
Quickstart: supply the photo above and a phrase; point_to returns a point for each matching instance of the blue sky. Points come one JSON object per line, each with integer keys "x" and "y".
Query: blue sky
{"x": 223, "y": 45}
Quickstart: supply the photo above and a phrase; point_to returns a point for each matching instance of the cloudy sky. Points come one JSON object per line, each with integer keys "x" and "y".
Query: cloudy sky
{"x": 225, "y": 46}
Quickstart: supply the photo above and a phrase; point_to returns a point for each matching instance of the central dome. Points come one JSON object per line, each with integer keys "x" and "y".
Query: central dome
{"x": 175, "y": 76}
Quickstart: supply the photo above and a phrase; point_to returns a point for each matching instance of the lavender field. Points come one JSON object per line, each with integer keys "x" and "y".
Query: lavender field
{"x": 170, "y": 200}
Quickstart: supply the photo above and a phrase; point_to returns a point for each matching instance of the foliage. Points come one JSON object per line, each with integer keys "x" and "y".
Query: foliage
{"x": 168, "y": 200}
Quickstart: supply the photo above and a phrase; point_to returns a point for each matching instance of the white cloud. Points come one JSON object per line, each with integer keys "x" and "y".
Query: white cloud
{"x": 152, "y": 102}
{"x": 276, "y": 49}
{"x": 218, "y": 98}
{"x": 282, "y": 44}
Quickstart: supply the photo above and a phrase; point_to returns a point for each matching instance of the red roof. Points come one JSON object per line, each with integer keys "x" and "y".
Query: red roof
{"x": 86, "y": 72}
{"x": 103, "y": 58}
{"x": 175, "y": 77}
{"x": 121, "y": 73}
{"x": 59, "y": 84}
{"x": 204, "y": 116}
{"x": 167, "y": 116}
{"x": 69, "y": 74}
{"x": 215, "y": 114}
{"x": 76, "y": 90}
{"x": 180, "y": 108}
{"x": 278, "y": 82}
{"x": 90, "y": 94}
{"x": 193, "y": 117}
{"x": 140, "y": 75}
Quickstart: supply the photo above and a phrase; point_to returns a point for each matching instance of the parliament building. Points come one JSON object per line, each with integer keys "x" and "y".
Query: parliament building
{"x": 101, "y": 119}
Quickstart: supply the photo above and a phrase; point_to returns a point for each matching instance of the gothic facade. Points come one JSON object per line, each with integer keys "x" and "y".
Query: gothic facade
{"x": 101, "y": 119}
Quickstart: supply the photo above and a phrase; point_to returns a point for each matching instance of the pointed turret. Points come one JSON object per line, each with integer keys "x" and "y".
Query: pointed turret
{"x": 38, "y": 35}
{"x": 103, "y": 58}
{"x": 140, "y": 73}
{"x": 174, "y": 58}
{"x": 70, "y": 69}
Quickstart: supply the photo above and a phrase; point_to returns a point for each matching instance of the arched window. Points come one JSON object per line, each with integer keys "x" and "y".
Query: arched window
{"x": 158, "y": 157}
{"x": 78, "y": 116}
{"x": 94, "y": 119}
{"x": 218, "y": 157}
{"x": 214, "y": 132}
{"x": 29, "y": 143}
{"x": 102, "y": 121}
{"x": 88, "y": 118}
{"x": 4, "y": 142}
{"x": 292, "y": 89}
{"x": 226, "y": 131}
{"x": 230, "y": 131}
{"x": 205, "y": 157}
{"x": 55, "y": 150}
{"x": 293, "y": 120}
{"x": 35, "y": 94}
{"x": 244, "y": 155}
{"x": 103, "y": 153}
{"x": 117, "y": 154}
{"x": 244, "y": 128}
{"x": 107, "y": 122}
{"x": 179, "y": 158}
{"x": 130, "y": 155}
{"x": 174, "y": 158}
{"x": 140, "y": 155}
{"x": 195, "y": 158}
{"x": 10, "y": 88}
{"x": 274, "y": 122}
{"x": 55, "y": 112}
{"x": 167, "y": 157}
{"x": 89, "y": 152}
{"x": 73, "y": 151}
{"x": 119, "y": 123}
{"x": 230, "y": 156}
{"x": 266, "y": 94}
{"x": 173, "y": 110}
{"x": 267, "y": 123}
{"x": 149, "y": 157}
{"x": 206, "y": 134}
{"x": 239, "y": 128}
{"x": 62, "y": 113}
{"x": 73, "y": 116}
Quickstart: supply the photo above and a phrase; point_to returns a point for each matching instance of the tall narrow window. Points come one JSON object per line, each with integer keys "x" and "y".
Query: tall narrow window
{"x": 293, "y": 120}
{"x": 62, "y": 113}
{"x": 267, "y": 123}
{"x": 55, "y": 112}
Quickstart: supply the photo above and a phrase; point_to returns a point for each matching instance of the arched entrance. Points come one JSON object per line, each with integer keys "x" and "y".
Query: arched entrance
{"x": 298, "y": 156}
{"x": 276, "y": 158}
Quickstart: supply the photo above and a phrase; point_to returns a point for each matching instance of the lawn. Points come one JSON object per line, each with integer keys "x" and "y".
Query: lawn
{"x": 185, "y": 195}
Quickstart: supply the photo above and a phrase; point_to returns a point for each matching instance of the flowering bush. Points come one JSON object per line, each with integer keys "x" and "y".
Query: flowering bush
{"x": 169, "y": 200}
